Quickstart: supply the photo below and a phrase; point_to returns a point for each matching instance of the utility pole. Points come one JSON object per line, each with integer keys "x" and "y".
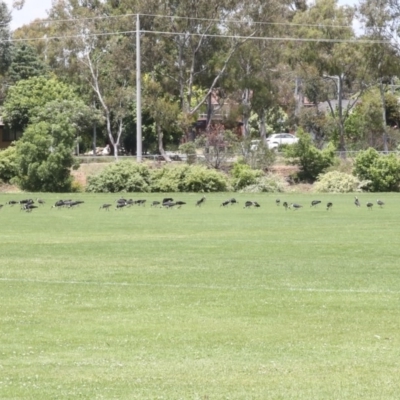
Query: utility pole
{"x": 138, "y": 95}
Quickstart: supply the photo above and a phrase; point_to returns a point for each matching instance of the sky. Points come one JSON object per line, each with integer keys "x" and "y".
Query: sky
{"x": 37, "y": 9}
{"x": 32, "y": 9}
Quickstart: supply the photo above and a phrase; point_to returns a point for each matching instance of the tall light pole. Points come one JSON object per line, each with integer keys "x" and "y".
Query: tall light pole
{"x": 138, "y": 95}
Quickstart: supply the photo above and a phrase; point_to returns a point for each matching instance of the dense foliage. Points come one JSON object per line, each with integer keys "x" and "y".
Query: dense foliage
{"x": 28, "y": 97}
{"x": 382, "y": 170}
{"x": 338, "y": 182}
{"x": 269, "y": 183}
{"x": 243, "y": 175}
{"x": 123, "y": 176}
{"x": 311, "y": 160}
{"x": 8, "y": 167}
{"x": 128, "y": 176}
{"x": 44, "y": 158}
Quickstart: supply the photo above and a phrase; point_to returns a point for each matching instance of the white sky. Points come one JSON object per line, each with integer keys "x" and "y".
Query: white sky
{"x": 32, "y": 9}
{"x": 37, "y": 9}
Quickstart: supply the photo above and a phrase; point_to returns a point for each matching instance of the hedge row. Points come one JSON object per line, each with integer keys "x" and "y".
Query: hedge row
{"x": 126, "y": 176}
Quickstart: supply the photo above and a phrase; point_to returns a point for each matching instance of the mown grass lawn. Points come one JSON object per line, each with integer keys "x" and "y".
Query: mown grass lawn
{"x": 200, "y": 303}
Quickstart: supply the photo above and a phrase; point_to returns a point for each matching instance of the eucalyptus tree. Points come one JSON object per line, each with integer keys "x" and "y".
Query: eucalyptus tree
{"x": 328, "y": 45}
{"x": 163, "y": 110}
{"x": 191, "y": 49}
{"x": 96, "y": 54}
{"x": 382, "y": 53}
{"x": 257, "y": 74}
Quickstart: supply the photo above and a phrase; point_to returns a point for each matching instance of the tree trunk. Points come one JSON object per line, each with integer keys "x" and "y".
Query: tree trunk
{"x": 160, "y": 143}
{"x": 384, "y": 123}
{"x": 263, "y": 128}
{"x": 246, "y": 111}
{"x": 209, "y": 112}
{"x": 342, "y": 143}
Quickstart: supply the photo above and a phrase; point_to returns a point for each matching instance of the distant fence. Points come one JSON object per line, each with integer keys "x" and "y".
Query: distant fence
{"x": 199, "y": 158}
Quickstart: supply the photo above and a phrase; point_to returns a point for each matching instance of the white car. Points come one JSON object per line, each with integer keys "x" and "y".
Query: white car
{"x": 277, "y": 139}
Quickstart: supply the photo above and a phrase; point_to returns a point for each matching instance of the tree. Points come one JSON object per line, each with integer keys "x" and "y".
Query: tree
{"x": 25, "y": 64}
{"x": 311, "y": 161}
{"x": 44, "y": 154}
{"x": 382, "y": 57}
{"x": 5, "y": 43}
{"x": 26, "y": 98}
{"x": 330, "y": 56}
{"x": 162, "y": 109}
{"x": 219, "y": 145}
{"x": 100, "y": 64}
{"x": 364, "y": 125}
{"x": 254, "y": 73}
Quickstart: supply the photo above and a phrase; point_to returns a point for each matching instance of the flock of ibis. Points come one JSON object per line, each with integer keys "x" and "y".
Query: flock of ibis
{"x": 29, "y": 205}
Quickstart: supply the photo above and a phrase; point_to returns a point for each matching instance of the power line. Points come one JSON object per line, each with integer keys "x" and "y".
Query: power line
{"x": 173, "y": 17}
{"x": 242, "y": 37}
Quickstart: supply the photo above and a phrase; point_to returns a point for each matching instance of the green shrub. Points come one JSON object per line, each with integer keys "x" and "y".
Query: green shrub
{"x": 243, "y": 175}
{"x": 170, "y": 178}
{"x": 8, "y": 166}
{"x": 77, "y": 187}
{"x": 44, "y": 157}
{"x": 383, "y": 171}
{"x": 338, "y": 182}
{"x": 126, "y": 176}
{"x": 270, "y": 183}
{"x": 311, "y": 160}
{"x": 123, "y": 176}
{"x": 203, "y": 179}
{"x": 189, "y": 149}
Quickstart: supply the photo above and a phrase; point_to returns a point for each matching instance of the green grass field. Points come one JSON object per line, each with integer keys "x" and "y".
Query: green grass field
{"x": 200, "y": 303}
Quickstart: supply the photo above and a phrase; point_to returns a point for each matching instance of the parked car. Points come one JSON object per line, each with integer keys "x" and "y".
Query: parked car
{"x": 277, "y": 139}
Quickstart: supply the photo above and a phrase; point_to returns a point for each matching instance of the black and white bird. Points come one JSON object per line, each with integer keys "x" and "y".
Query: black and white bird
{"x": 28, "y": 207}
{"x": 315, "y": 203}
{"x": 201, "y": 201}
{"x": 1, "y": 206}
{"x": 105, "y": 207}
{"x": 369, "y": 205}
{"x": 278, "y": 202}
{"x": 169, "y": 204}
{"x": 357, "y": 202}
{"x": 233, "y": 201}
{"x": 167, "y": 199}
{"x": 329, "y": 206}
{"x": 26, "y": 201}
{"x": 155, "y": 203}
{"x": 120, "y": 206}
{"x": 380, "y": 203}
{"x": 225, "y": 203}
{"x": 58, "y": 204}
{"x": 249, "y": 204}
{"x": 75, "y": 203}
{"x": 12, "y": 203}
{"x": 296, "y": 206}
{"x": 286, "y": 205}
{"x": 180, "y": 203}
